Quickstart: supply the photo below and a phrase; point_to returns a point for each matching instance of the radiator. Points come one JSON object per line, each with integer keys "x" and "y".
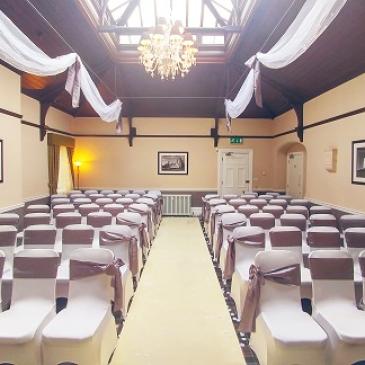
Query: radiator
{"x": 176, "y": 204}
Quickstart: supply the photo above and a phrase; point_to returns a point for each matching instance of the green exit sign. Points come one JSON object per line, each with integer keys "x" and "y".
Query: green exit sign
{"x": 236, "y": 140}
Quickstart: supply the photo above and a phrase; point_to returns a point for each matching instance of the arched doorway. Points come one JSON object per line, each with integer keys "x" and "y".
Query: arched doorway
{"x": 293, "y": 155}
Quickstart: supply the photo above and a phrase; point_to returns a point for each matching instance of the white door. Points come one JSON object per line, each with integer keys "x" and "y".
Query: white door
{"x": 294, "y": 174}
{"x": 235, "y": 172}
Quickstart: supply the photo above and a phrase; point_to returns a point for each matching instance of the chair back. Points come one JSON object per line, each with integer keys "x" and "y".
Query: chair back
{"x": 264, "y": 220}
{"x": 80, "y": 201}
{"x": 7, "y": 245}
{"x": 276, "y": 210}
{"x": 95, "y": 289}
{"x": 62, "y": 208}
{"x": 273, "y": 294}
{"x": 351, "y": 221}
{"x": 113, "y": 208}
{"x": 40, "y": 236}
{"x": 323, "y": 238}
{"x": 9, "y": 219}
{"x": 258, "y": 202}
{"x": 65, "y": 219}
{"x": 105, "y": 192}
{"x": 320, "y": 209}
{"x": 34, "y": 275}
{"x": 90, "y": 191}
{"x": 294, "y": 219}
{"x": 99, "y": 219}
{"x": 332, "y": 274}
{"x": 237, "y": 202}
{"x": 248, "y": 209}
{"x": 76, "y": 236}
{"x": 298, "y": 209}
{"x": 59, "y": 201}
{"x": 85, "y": 209}
{"x": 279, "y": 202}
{"x": 267, "y": 197}
{"x": 37, "y": 208}
{"x": 103, "y": 201}
{"x": 300, "y": 202}
{"x": 31, "y": 219}
{"x": 320, "y": 219}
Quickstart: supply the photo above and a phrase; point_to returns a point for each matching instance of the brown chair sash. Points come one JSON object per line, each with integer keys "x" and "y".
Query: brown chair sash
{"x": 231, "y": 227}
{"x": 331, "y": 268}
{"x": 83, "y": 269}
{"x": 2, "y": 263}
{"x": 35, "y": 267}
{"x": 287, "y": 275}
{"x": 231, "y": 254}
{"x": 113, "y": 238}
{"x": 143, "y": 236}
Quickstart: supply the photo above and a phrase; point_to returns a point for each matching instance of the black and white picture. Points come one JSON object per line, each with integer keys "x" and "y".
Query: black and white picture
{"x": 358, "y": 162}
{"x": 172, "y": 163}
{"x": 1, "y": 161}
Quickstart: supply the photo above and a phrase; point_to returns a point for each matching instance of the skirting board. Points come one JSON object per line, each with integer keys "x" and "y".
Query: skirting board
{"x": 337, "y": 207}
{"x": 11, "y": 207}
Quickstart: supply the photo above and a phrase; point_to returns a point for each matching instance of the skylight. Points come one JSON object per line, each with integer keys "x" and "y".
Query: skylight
{"x": 191, "y": 13}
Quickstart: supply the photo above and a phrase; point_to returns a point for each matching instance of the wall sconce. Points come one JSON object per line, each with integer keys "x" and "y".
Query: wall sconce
{"x": 78, "y": 164}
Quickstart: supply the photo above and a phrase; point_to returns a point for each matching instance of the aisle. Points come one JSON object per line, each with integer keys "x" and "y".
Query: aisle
{"x": 178, "y": 316}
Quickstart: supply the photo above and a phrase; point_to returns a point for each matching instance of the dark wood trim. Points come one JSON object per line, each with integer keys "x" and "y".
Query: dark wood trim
{"x": 11, "y": 68}
{"x": 299, "y": 112}
{"x": 30, "y": 124}
{"x": 212, "y": 134}
{"x": 159, "y": 169}
{"x": 43, "y": 113}
{"x": 352, "y": 162}
{"x": 336, "y": 117}
{"x": 10, "y": 113}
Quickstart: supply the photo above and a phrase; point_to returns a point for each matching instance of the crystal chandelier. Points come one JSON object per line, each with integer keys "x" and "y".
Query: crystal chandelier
{"x": 167, "y": 50}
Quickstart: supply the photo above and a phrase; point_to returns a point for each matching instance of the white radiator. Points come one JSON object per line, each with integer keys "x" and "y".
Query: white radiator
{"x": 176, "y": 204}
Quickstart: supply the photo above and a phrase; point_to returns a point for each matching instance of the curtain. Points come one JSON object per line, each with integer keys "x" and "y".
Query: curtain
{"x": 64, "y": 183}
{"x": 70, "y": 152}
{"x": 312, "y": 20}
{"x": 19, "y": 51}
{"x": 53, "y": 167}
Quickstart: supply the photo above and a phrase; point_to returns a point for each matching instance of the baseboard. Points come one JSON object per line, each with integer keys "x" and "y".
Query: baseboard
{"x": 149, "y": 188}
{"x": 11, "y": 207}
{"x": 334, "y": 206}
{"x": 33, "y": 198}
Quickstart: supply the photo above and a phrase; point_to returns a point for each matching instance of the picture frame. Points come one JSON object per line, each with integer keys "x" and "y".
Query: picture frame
{"x": 1, "y": 161}
{"x": 358, "y": 162}
{"x": 173, "y": 163}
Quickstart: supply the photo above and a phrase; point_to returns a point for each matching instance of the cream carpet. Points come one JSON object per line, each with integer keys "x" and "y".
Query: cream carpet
{"x": 178, "y": 315}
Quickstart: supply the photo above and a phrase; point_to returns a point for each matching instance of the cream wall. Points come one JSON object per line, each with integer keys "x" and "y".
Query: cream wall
{"x": 25, "y": 157}
{"x": 110, "y": 162}
{"x": 320, "y": 185}
{"x": 10, "y": 133}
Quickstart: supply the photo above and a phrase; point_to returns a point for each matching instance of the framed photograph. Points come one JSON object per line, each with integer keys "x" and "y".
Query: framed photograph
{"x": 172, "y": 163}
{"x": 1, "y": 161}
{"x": 358, "y": 162}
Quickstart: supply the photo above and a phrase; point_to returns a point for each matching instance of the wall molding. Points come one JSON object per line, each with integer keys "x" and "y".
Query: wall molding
{"x": 38, "y": 197}
{"x": 10, "y": 113}
{"x": 334, "y": 206}
{"x": 12, "y": 207}
{"x": 203, "y": 136}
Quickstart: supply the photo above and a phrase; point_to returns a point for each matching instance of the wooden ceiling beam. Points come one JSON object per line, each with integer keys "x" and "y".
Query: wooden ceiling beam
{"x": 194, "y": 30}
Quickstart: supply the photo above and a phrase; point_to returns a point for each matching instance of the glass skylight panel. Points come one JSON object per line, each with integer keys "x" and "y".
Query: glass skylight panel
{"x": 213, "y": 40}
{"x": 134, "y": 20}
{"x": 209, "y": 20}
{"x": 179, "y": 11}
{"x": 195, "y": 9}
{"x": 163, "y": 8}
{"x": 148, "y": 13}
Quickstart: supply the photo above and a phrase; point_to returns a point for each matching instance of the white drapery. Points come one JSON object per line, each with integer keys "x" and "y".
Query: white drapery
{"x": 312, "y": 20}
{"x": 20, "y": 52}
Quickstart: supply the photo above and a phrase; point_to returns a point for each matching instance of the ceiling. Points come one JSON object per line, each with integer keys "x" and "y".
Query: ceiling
{"x": 337, "y": 56}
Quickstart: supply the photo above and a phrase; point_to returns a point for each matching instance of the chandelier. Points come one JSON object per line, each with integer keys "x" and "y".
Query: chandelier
{"x": 167, "y": 51}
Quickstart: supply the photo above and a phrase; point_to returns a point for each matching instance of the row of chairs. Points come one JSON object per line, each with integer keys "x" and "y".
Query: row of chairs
{"x": 31, "y": 333}
{"x": 281, "y": 333}
{"x": 85, "y": 331}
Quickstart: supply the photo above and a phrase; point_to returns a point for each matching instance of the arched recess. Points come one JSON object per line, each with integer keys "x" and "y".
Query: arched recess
{"x": 281, "y": 159}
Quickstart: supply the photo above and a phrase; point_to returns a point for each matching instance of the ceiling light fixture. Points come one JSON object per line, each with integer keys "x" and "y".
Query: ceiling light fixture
{"x": 168, "y": 50}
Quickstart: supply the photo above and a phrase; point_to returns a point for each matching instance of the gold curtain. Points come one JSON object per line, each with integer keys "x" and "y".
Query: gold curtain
{"x": 70, "y": 153}
{"x": 53, "y": 167}
{"x": 54, "y": 142}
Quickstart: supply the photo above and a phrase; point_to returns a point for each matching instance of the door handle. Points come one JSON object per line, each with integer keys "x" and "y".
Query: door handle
{"x": 247, "y": 181}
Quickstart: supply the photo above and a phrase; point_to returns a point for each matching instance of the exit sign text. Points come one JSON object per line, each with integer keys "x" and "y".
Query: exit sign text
{"x": 236, "y": 140}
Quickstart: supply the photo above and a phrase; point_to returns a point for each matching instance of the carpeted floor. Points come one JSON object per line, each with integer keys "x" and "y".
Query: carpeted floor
{"x": 179, "y": 315}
